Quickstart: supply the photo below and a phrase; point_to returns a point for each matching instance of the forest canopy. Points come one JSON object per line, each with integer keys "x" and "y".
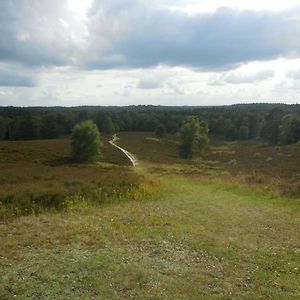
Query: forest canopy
{"x": 275, "y": 123}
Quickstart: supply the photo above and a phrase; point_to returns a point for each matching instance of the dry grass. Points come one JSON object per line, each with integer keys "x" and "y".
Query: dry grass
{"x": 275, "y": 168}
{"x": 270, "y": 167}
{"x": 39, "y": 175}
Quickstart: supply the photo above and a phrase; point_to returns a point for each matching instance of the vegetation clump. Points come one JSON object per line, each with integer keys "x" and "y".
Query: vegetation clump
{"x": 86, "y": 142}
{"x": 160, "y": 131}
{"x": 193, "y": 137}
{"x": 108, "y": 126}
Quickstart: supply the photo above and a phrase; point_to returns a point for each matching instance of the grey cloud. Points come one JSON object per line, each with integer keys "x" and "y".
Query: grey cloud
{"x": 235, "y": 77}
{"x": 175, "y": 88}
{"x": 14, "y": 78}
{"x": 32, "y": 32}
{"x": 150, "y": 83}
{"x": 157, "y": 82}
{"x": 140, "y": 35}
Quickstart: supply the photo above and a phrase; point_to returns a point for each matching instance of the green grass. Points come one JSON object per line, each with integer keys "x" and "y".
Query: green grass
{"x": 197, "y": 240}
{"x": 196, "y": 236}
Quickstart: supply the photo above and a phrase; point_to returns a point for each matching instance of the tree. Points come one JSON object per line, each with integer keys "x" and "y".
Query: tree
{"x": 270, "y": 129}
{"x": 289, "y": 130}
{"x": 30, "y": 127}
{"x": 108, "y": 126}
{"x": 2, "y": 128}
{"x": 194, "y": 137}
{"x": 52, "y": 127}
{"x": 231, "y": 133}
{"x": 253, "y": 123}
{"x": 86, "y": 142}
{"x": 243, "y": 132}
{"x": 160, "y": 131}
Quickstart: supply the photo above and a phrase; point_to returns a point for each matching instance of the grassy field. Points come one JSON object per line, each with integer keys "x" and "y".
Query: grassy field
{"x": 40, "y": 175}
{"x": 272, "y": 168}
{"x": 198, "y": 237}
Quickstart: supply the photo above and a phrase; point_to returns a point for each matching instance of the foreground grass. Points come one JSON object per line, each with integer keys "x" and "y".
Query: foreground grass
{"x": 197, "y": 240}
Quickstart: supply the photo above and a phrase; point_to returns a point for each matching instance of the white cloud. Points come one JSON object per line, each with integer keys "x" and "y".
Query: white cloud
{"x": 294, "y": 74}
{"x": 196, "y": 6}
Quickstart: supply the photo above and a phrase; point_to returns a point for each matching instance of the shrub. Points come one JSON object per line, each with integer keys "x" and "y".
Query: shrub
{"x": 86, "y": 142}
{"x": 160, "y": 131}
{"x": 194, "y": 137}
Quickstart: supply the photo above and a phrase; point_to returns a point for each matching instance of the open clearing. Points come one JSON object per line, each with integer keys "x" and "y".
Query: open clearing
{"x": 196, "y": 238}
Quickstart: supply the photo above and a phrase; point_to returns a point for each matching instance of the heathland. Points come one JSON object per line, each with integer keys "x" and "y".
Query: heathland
{"x": 224, "y": 225}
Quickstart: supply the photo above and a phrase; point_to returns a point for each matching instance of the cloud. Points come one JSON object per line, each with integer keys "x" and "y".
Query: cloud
{"x": 294, "y": 74}
{"x": 11, "y": 79}
{"x": 175, "y": 88}
{"x": 163, "y": 48}
{"x": 13, "y": 76}
{"x": 38, "y": 33}
{"x": 235, "y": 77}
{"x": 128, "y": 34}
{"x": 287, "y": 86}
{"x": 136, "y": 34}
{"x": 150, "y": 82}
{"x": 160, "y": 78}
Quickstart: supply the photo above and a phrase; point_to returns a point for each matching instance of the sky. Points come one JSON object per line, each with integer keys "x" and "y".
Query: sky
{"x": 159, "y": 52}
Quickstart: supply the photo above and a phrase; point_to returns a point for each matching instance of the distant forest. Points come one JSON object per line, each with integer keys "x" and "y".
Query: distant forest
{"x": 275, "y": 123}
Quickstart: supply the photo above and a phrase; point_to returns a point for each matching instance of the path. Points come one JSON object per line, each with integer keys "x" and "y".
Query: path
{"x": 127, "y": 153}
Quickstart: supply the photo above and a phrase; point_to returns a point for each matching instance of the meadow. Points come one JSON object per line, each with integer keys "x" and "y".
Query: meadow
{"x": 271, "y": 168}
{"x": 217, "y": 227}
{"x": 40, "y": 175}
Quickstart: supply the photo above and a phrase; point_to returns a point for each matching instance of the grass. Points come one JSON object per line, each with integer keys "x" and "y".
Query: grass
{"x": 275, "y": 168}
{"x": 195, "y": 235}
{"x": 198, "y": 240}
{"x": 40, "y": 175}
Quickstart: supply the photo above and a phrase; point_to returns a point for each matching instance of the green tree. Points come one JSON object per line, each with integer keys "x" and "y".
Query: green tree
{"x": 86, "y": 142}
{"x": 2, "y": 128}
{"x": 270, "y": 129}
{"x": 52, "y": 127}
{"x": 243, "y": 132}
{"x": 30, "y": 127}
{"x": 193, "y": 136}
{"x": 108, "y": 126}
{"x": 160, "y": 131}
{"x": 253, "y": 123}
{"x": 289, "y": 130}
{"x": 231, "y": 133}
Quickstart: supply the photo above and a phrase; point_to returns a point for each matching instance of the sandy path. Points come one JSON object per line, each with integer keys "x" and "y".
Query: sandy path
{"x": 127, "y": 153}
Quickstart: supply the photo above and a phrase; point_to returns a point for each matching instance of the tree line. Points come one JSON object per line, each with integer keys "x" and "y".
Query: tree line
{"x": 277, "y": 124}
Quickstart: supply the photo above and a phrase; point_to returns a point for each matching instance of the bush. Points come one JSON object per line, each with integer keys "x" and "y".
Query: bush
{"x": 160, "y": 131}
{"x": 193, "y": 137}
{"x": 86, "y": 142}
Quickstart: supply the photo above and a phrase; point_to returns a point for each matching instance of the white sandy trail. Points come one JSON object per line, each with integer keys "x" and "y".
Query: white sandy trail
{"x": 127, "y": 153}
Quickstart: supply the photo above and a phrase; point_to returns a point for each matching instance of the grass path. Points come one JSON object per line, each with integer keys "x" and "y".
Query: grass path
{"x": 197, "y": 240}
